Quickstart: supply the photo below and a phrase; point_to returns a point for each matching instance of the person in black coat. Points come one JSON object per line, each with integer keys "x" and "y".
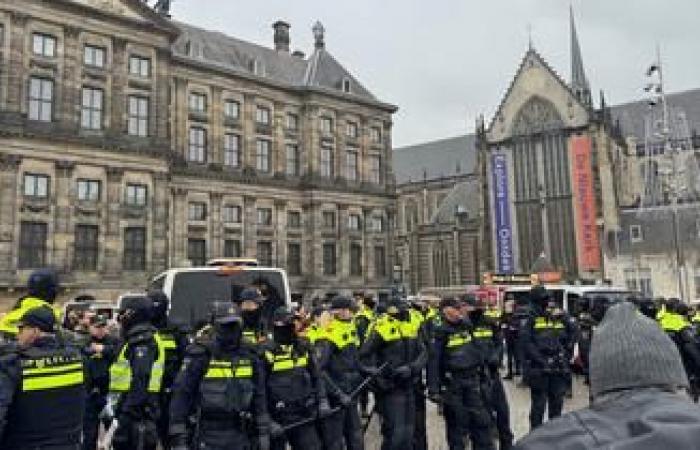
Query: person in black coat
{"x": 639, "y": 396}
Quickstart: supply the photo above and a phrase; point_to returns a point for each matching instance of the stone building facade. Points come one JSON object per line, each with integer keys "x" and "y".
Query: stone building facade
{"x": 131, "y": 142}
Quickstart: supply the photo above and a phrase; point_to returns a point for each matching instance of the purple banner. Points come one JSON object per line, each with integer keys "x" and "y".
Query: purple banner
{"x": 501, "y": 208}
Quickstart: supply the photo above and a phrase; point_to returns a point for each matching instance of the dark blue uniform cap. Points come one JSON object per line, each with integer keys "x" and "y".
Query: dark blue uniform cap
{"x": 42, "y": 318}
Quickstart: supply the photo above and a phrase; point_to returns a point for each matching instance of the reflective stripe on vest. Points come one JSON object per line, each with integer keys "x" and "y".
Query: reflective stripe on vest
{"x": 458, "y": 340}
{"x": 219, "y": 369}
{"x": 391, "y": 329}
{"x": 8, "y": 324}
{"x": 284, "y": 361}
{"x": 542, "y": 323}
{"x": 481, "y": 333}
{"x": 673, "y": 323}
{"x": 120, "y": 372}
{"x": 342, "y": 334}
{"x": 44, "y": 374}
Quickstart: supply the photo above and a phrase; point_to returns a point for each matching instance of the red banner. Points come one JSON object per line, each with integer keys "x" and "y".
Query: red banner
{"x": 584, "y": 198}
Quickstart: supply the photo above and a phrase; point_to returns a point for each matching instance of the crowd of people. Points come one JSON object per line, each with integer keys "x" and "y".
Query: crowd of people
{"x": 315, "y": 379}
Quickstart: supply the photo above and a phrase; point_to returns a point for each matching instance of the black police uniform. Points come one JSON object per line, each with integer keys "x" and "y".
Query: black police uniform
{"x": 42, "y": 397}
{"x": 295, "y": 392}
{"x": 396, "y": 339}
{"x": 97, "y": 384}
{"x": 137, "y": 410}
{"x": 488, "y": 337}
{"x": 548, "y": 343}
{"x": 454, "y": 377}
{"x": 224, "y": 385}
{"x": 511, "y": 327}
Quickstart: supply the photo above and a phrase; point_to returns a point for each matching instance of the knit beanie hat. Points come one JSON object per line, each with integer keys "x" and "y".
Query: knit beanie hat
{"x": 630, "y": 350}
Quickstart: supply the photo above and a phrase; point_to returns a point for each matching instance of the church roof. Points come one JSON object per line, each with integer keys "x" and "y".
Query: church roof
{"x": 436, "y": 159}
{"x": 632, "y": 115}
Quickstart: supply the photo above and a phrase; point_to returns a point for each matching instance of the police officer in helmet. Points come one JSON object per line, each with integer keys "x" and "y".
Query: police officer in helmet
{"x": 250, "y": 301}
{"x": 42, "y": 393}
{"x": 42, "y": 289}
{"x": 136, "y": 376}
{"x": 222, "y": 381}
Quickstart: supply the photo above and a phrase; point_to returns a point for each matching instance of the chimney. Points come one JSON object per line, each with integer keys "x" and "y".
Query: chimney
{"x": 281, "y": 36}
{"x": 319, "y": 36}
{"x": 299, "y": 54}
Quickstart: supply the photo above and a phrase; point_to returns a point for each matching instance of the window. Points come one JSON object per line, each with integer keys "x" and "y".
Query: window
{"x": 138, "y": 116}
{"x": 198, "y": 144}
{"x": 197, "y": 211}
{"x": 136, "y": 194}
{"x": 94, "y": 56}
{"x": 232, "y": 248}
{"x": 352, "y": 131}
{"x": 354, "y": 222}
{"x": 197, "y": 252}
{"x": 262, "y": 156}
{"x": 89, "y": 190}
{"x": 32, "y": 245}
{"x": 140, "y": 67}
{"x": 346, "y": 86}
{"x": 329, "y": 262}
{"x": 91, "y": 112}
{"x": 375, "y": 169}
{"x": 232, "y": 109}
{"x": 294, "y": 259}
{"x": 292, "y": 122}
{"x": 36, "y": 186}
{"x": 375, "y": 135}
{"x": 265, "y": 217}
{"x": 292, "y": 160}
{"x": 232, "y": 150}
{"x": 135, "y": 248}
{"x": 645, "y": 284}
{"x": 262, "y": 115}
{"x": 351, "y": 158}
{"x": 355, "y": 260}
{"x": 85, "y": 247}
{"x": 40, "y": 99}
{"x": 326, "y": 125}
{"x": 198, "y": 102}
{"x": 327, "y": 162}
{"x": 329, "y": 219}
{"x": 379, "y": 262}
{"x": 293, "y": 219}
{"x": 44, "y": 45}
{"x": 636, "y": 233}
{"x": 265, "y": 253}
{"x": 232, "y": 214}
{"x": 631, "y": 280}
{"x": 377, "y": 224}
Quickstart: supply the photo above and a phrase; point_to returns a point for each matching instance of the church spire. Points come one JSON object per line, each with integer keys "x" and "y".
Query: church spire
{"x": 579, "y": 82}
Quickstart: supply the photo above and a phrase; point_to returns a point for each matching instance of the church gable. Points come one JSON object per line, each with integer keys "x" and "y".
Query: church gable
{"x": 536, "y": 85}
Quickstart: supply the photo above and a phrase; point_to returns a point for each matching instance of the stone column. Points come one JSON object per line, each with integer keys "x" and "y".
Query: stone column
{"x": 312, "y": 140}
{"x": 178, "y": 227}
{"x": 63, "y": 229}
{"x": 216, "y": 131}
{"x": 15, "y": 62}
{"x": 387, "y": 174}
{"x": 368, "y": 251}
{"x": 249, "y": 135}
{"x": 312, "y": 243}
{"x": 69, "y": 82}
{"x": 160, "y": 103}
{"x": 344, "y": 243}
{"x": 113, "y": 240}
{"x": 278, "y": 142}
{"x": 250, "y": 227}
{"x": 280, "y": 238}
{"x": 119, "y": 83}
{"x": 216, "y": 226}
{"x": 159, "y": 216}
{"x": 9, "y": 165}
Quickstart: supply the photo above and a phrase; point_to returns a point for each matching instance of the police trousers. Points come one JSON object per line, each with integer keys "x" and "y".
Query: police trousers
{"x": 220, "y": 438}
{"x": 499, "y": 404}
{"x": 397, "y": 408}
{"x": 420, "y": 432}
{"x": 94, "y": 405}
{"x": 304, "y": 437}
{"x": 131, "y": 435}
{"x": 467, "y": 415}
{"x": 547, "y": 391}
{"x": 343, "y": 430}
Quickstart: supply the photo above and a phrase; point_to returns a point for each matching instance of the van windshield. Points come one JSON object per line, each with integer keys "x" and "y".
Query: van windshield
{"x": 193, "y": 292}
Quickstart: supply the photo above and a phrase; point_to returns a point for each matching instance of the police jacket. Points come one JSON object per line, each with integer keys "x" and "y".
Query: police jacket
{"x": 398, "y": 343}
{"x": 681, "y": 332}
{"x": 174, "y": 344}
{"x": 363, "y": 320}
{"x": 487, "y": 337}
{"x": 42, "y": 396}
{"x": 224, "y": 385}
{"x": 338, "y": 357}
{"x": 97, "y": 365}
{"x": 293, "y": 381}
{"x": 454, "y": 356}
{"x": 137, "y": 374}
{"x": 638, "y": 419}
{"x": 8, "y": 324}
{"x": 548, "y": 341}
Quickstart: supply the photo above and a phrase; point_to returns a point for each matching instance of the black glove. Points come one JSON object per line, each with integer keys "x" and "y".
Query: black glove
{"x": 402, "y": 372}
{"x": 324, "y": 409}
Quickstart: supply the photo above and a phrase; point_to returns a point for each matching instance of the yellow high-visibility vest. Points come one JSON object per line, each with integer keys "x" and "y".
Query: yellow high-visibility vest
{"x": 120, "y": 372}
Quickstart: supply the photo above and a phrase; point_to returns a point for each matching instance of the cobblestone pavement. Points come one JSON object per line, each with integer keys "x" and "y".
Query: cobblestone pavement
{"x": 519, "y": 401}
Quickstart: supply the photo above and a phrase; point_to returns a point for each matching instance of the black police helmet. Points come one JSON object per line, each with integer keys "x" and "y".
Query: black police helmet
{"x": 224, "y": 313}
{"x": 342, "y": 302}
{"x": 282, "y": 316}
{"x": 44, "y": 284}
{"x": 160, "y": 306}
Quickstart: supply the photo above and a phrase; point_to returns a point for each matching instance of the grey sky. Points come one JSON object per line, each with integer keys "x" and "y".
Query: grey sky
{"x": 443, "y": 62}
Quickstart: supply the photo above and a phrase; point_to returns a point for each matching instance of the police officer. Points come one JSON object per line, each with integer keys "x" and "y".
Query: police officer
{"x": 99, "y": 355}
{"x": 454, "y": 379}
{"x": 338, "y": 358}
{"x": 396, "y": 339}
{"x": 250, "y": 301}
{"x": 548, "y": 341}
{"x": 510, "y": 327}
{"x": 174, "y": 343}
{"x": 488, "y": 338}
{"x": 42, "y": 392}
{"x": 295, "y": 389}
{"x": 223, "y": 383}
{"x": 676, "y": 325}
{"x": 42, "y": 289}
{"x": 364, "y": 319}
{"x": 136, "y": 377}
{"x": 587, "y": 325}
